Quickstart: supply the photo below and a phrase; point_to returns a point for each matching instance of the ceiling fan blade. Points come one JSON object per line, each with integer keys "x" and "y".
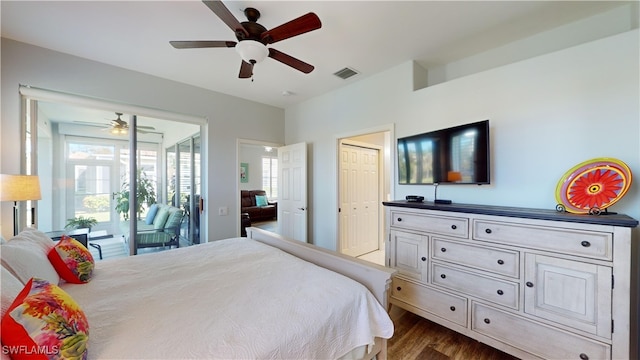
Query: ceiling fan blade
{"x": 227, "y": 17}
{"x": 301, "y": 25}
{"x": 291, "y": 61}
{"x": 119, "y": 122}
{"x": 246, "y": 70}
{"x": 145, "y": 127}
{"x": 201, "y": 44}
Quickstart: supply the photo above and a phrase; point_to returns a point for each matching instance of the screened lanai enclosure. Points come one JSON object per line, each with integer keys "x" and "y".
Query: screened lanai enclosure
{"x": 88, "y": 161}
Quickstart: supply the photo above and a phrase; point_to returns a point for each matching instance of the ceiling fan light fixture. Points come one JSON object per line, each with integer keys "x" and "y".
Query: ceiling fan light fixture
{"x": 252, "y": 51}
{"x": 119, "y": 130}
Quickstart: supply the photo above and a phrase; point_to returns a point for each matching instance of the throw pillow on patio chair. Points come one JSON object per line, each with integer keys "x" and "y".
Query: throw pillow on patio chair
{"x": 164, "y": 233}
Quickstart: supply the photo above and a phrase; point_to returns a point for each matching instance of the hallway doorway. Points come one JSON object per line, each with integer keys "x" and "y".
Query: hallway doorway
{"x": 257, "y": 171}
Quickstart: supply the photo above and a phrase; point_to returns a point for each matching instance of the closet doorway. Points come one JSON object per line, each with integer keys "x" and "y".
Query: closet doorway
{"x": 363, "y": 182}
{"x": 359, "y": 197}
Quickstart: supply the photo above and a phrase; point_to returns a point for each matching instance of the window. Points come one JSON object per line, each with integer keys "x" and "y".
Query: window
{"x": 91, "y": 166}
{"x": 98, "y": 169}
{"x": 270, "y": 176}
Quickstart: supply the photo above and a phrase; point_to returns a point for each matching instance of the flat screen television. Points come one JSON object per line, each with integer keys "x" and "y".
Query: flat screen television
{"x": 456, "y": 155}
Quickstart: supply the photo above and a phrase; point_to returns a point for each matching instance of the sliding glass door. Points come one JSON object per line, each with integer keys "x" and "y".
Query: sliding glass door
{"x": 83, "y": 157}
{"x": 184, "y": 179}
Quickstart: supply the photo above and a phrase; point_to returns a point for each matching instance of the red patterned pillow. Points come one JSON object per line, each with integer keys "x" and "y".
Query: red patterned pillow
{"x": 72, "y": 260}
{"x": 44, "y": 322}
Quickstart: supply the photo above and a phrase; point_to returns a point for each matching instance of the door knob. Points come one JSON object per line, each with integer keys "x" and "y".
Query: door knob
{"x": 302, "y": 209}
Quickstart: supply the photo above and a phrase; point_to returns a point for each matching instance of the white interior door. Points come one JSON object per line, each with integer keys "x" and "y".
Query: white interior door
{"x": 292, "y": 198}
{"x": 359, "y": 199}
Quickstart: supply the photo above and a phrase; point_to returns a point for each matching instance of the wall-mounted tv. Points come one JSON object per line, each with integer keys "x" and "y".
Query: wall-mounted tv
{"x": 457, "y": 155}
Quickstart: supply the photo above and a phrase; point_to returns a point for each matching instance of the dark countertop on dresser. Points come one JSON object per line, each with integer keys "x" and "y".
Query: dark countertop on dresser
{"x": 525, "y": 213}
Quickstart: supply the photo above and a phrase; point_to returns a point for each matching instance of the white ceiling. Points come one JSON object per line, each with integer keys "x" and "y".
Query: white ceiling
{"x": 368, "y": 36}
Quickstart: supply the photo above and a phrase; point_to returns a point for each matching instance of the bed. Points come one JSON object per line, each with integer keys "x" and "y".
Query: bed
{"x": 262, "y": 297}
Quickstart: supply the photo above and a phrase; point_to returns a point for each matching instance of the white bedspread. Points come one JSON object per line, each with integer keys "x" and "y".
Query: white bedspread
{"x": 229, "y": 299}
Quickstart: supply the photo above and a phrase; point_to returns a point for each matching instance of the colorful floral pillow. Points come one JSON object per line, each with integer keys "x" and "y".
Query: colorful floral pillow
{"x": 73, "y": 262}
{"x": 44, "y": 322}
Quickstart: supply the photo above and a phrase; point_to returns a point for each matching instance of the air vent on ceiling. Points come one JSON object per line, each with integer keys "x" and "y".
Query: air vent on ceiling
{"x": 345, "y": 73}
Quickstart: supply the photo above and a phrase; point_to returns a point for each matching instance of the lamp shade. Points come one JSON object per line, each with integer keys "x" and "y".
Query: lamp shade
{"x": 252, "y": 51}
{"x": 19, "y": 187}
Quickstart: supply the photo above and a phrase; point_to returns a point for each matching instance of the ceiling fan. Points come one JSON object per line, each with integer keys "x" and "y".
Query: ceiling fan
{"x": 253, "y": 38}
{"x": 121, "y": 127}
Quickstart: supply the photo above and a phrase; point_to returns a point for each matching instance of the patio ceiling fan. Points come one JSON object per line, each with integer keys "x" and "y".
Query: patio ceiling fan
{"x": 253, "y": 38}
{"x": 121, "y": 127}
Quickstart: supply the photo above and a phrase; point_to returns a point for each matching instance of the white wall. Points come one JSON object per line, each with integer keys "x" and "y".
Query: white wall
{"x": 614, "y": 21}
{"x": 252, "y": 155}
{"x": 228, "y": 117}
{"x": 547, "y": 114}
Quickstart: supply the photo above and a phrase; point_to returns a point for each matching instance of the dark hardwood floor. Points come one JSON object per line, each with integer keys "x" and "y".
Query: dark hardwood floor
{"x": 418, "y": 338}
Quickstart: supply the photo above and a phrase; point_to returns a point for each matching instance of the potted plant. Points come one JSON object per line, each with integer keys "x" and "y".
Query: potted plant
{"x": 145, "y": 194}
{"x": 81, "y": 222}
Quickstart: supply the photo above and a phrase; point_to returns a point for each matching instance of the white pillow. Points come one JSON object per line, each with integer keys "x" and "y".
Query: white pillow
{"x": 37, "y": 237}
{"x": 10, "y": 287}
{"x": 25, "y": 255}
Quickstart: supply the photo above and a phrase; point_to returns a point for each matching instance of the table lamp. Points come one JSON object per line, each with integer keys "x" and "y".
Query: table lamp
{"x": 19, "y": 188}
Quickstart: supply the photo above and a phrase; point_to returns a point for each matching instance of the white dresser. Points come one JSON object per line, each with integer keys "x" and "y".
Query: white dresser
{"x": 533, "y": 283}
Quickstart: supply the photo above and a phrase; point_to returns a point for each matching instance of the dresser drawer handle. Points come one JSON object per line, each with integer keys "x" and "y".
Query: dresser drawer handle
{"x": 443, "y": 276}
{"x": 423, "y": 258}
{"x": 584, "y": 356}
{"x": 452, "y": 308}
{"x": 487, "y": 321}
{"x": 488, "y": 231}
{"x": 443, "y": 249}
{"x": 454, "y": 227}
{"x": 501, "y": 262}
{"x": 399, "y": 288}
{"x": 529, "y": 284}
{"x": 585, "y": 243}
{"x": 399, "y": 219}
{"x": 500, "y": 292}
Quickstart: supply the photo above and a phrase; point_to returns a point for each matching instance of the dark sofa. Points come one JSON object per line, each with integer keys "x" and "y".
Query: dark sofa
{"x": 257, "y": 213}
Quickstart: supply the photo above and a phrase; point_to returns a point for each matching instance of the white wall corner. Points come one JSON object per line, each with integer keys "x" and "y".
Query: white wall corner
{"x": 420, "y": 77}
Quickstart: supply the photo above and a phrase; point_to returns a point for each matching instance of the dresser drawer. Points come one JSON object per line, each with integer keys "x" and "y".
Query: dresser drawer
{"x": 498, "y": 291}
{"x": 591, "y": 244}
{"x": 445, "y": 225}
{"x": 499, "y": 261}
{"x": 446, "y": 306}
{"x": 535, "y": 338}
